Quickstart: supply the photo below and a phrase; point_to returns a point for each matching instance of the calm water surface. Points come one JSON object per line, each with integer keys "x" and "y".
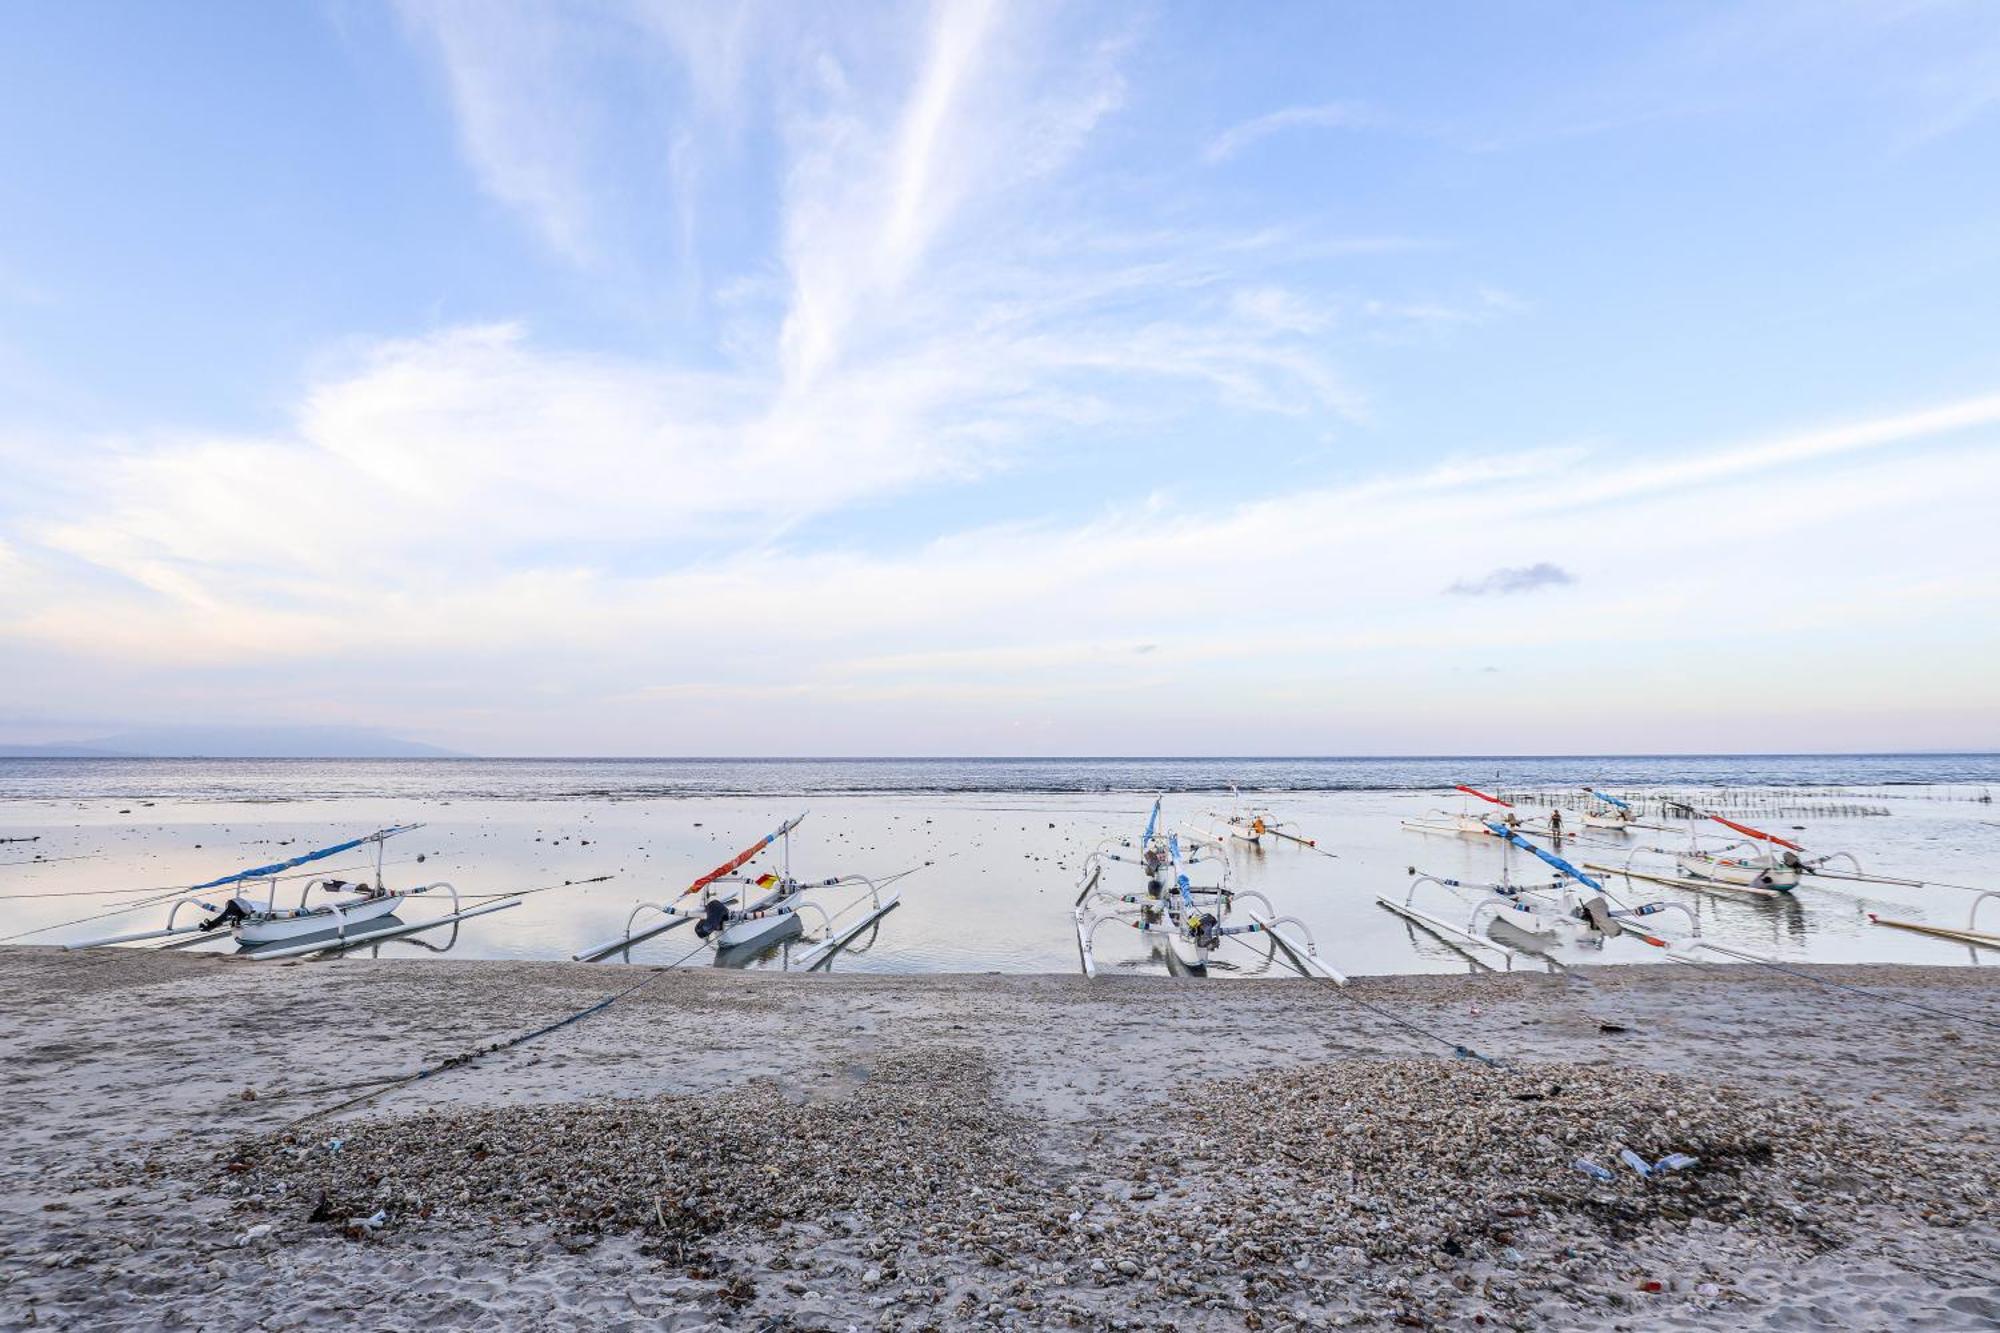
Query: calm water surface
{"x": 996, "y": 845}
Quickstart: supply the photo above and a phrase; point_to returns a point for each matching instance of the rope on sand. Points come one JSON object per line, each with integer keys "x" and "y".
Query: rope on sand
{"x": 490, "y": 1048}
{"x": 495, "y": 1047}
{"x": 1459, "y": 1049}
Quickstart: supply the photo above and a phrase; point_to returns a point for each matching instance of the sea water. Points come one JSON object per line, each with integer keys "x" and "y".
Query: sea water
{"x": 993, "y": 848}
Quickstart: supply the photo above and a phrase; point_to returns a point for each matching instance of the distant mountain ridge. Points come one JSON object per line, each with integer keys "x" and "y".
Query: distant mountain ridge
{"x": 303, "y": 742}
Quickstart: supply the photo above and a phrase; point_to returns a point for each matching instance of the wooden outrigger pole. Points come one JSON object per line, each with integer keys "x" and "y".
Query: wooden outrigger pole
{"x": 1977, "y": 938}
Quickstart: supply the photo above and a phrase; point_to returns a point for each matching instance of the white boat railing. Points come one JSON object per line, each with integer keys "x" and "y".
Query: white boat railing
{"x": 876, "y": 906}
{"x": 171, "y": 929}
{"x": 366, "y": 937}
{"x": 1463, "y": 938}
{"x": 675, "y": 918}
{"x": 1305, "y": 957}
{"x": 335, "y": 913}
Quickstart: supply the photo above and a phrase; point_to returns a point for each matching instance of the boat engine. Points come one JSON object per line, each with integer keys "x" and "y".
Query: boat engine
{"x": 713, "y": 918}
{"x": 229, "y": 915}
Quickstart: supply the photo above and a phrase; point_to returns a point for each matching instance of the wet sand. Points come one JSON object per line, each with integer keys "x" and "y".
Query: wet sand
{"x": 762, "y": 1150}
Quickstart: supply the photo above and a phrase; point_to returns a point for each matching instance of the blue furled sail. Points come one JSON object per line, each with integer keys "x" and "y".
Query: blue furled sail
{"x": 1151, "y": 820}
{"x": 1611, "y": 800}
{"x": 265, "y": 872}
{"x": 1180, "y": 877}
{"x": 1502, "y": 831}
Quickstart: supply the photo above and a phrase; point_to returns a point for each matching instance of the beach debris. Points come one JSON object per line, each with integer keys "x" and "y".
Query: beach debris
{"x": 1289, "y": 1189}
{"x": 358, "y": 1227}
{"x": 1673, "y": 1161}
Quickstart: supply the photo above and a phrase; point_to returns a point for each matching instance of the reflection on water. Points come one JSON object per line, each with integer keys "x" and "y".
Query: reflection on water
{"x": 368, "y": 938}
{"x": 995, "y": 873}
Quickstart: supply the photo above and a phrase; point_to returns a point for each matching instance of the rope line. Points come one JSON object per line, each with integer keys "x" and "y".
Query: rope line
{"x": 491, "y": 1048}
{"x": 1458, "y": 1048}
{"x": 1980, "y": 1019}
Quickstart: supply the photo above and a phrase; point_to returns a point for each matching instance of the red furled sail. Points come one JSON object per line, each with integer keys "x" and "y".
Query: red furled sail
{"x": 736, "y": 862}
{"x": 1756, "y": 833}
{"x": 1474, "y": 791}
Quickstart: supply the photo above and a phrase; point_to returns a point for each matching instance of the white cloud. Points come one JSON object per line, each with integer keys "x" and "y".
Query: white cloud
{"x": 1286, "y": 604}
{"x": 510, "y": 70}
{"x": 503, "y": 544}
{"x": 1328, "y": 115}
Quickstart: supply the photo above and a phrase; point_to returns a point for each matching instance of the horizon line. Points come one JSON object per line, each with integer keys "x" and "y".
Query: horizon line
{"x": 1029, "y": 758}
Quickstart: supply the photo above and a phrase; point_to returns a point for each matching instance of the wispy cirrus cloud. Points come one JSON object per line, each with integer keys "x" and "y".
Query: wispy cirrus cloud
{"x": 1324, "y": 116}
{"x": 909, "y": 329}
{"x": 503, "y": 535}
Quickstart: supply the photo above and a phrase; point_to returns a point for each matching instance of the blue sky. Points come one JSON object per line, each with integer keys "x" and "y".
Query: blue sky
{"x": 640, "y": 378}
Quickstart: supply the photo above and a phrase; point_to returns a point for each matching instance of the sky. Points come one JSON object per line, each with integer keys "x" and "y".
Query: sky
{"x": 632, "y": 378}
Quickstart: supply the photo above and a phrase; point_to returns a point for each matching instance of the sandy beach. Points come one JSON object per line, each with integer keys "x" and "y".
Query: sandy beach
{"x": 738, "y": 1150}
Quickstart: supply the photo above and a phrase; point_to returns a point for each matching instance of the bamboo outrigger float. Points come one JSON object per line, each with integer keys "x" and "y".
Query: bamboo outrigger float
{"x": 340, "y": 917}
{"x": 1189, "y": 920}
{"x": 1970, "y": 935}
{"x": 742, "y": 916}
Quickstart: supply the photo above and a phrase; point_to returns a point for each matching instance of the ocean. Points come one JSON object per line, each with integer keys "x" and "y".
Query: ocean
{"x": 636, "y": 779}
{"x": 987, "y": 853}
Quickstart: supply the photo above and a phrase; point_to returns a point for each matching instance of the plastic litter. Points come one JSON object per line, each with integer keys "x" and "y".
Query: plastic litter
{"x": 1592, "y": 1169}
{"x": 1636, "y": 1162}
{"x": 374, "y": 1223}
{"x": 1676, "y": 1161}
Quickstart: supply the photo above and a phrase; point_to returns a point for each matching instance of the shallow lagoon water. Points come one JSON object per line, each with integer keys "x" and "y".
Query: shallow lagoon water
{"x": 995, "y": 872}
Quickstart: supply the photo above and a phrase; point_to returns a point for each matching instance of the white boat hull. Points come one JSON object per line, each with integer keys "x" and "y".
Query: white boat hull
{"x": 1185, "y": 953}
{"x": 760, "y": 933}
{"x": 1622, "y": 823}
{"x": 317, "y": 921}
{"x": 1754, "y": 874}
{"x": 1521, "y": 926}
